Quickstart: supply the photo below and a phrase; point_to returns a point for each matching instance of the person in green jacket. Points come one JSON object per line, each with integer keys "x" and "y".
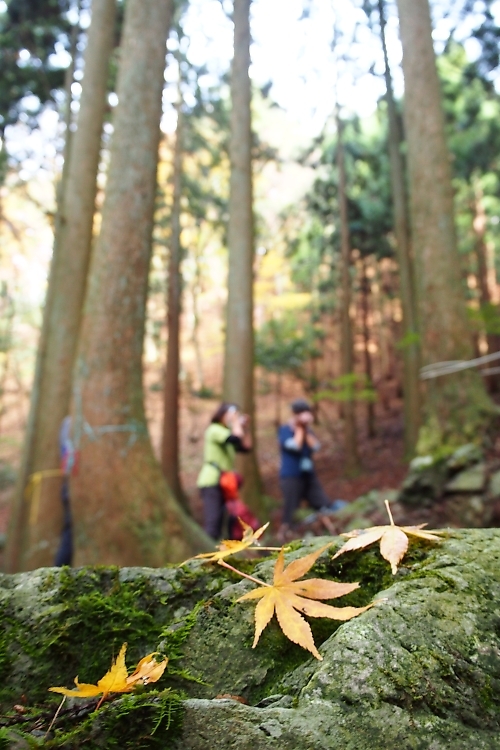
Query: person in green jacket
{"x": 227, "y": 434}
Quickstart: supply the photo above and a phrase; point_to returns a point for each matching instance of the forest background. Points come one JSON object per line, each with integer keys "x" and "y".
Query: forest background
{"x": 326, "y": 250}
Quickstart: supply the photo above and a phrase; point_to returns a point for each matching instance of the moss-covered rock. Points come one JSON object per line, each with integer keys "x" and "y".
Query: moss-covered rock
{"x": 420, "y": 670}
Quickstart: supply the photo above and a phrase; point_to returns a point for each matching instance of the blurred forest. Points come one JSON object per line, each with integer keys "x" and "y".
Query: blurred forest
{"x": 171, "y": 236}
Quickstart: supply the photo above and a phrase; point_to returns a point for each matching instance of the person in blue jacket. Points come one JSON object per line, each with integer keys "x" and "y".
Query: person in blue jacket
{"x": 298, "y": 479}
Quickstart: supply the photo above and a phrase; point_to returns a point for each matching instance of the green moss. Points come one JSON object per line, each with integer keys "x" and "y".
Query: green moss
{"x": 135, "y": 721}
{"x": 88, "y": 619}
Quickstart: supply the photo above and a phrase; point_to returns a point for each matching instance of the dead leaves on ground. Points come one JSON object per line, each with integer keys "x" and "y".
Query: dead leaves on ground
{"x": 289, "y": 598}
{"x": 393, "y": 539}
{"x": 117, "y": 679}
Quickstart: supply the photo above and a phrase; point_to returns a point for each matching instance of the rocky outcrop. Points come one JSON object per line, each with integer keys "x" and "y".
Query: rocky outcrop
{"x": 421, "y": 669}
{"x": 462, "y": 489}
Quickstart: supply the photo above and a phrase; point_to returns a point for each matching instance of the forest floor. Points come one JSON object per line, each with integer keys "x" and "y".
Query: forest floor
{"x": 382, "y": 465}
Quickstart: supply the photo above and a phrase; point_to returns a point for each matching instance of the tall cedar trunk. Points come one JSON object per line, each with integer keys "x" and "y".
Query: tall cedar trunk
{"x": 411, "y": 349}
{"x": 456, "y": 405}
{"x": 124, "y": 512}
{"x": 479, "y": 226}
{"x": 365, "y": 310}
{"x": 346, "y": 338}
{"x": 170, "y": 437}
{"x": 34, "y": 531}
{"x": 239, "y": 352}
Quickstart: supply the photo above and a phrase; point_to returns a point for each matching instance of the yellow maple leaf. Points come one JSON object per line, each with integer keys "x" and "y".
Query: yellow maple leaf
{"x": 394, "y": 540}
{"x": 230, "y": 547}
{"x": 116, "y": 680}
{"x": 288, "y": 597}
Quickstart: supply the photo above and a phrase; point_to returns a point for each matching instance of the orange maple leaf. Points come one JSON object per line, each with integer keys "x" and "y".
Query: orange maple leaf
{"x": 393, "y": 539}
{"x": 116, "y": 680}
{"x": 230, "y": 547}
{"x": 288, "y": 597}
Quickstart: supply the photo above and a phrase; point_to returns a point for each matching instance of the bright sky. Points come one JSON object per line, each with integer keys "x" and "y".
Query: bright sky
{"x": 294, "y": 53}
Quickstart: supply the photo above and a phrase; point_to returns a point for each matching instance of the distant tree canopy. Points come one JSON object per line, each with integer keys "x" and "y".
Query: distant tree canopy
{"x": 32, "y": 32}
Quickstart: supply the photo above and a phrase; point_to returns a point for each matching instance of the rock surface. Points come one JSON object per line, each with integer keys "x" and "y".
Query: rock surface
{"x": 421, "y": 669}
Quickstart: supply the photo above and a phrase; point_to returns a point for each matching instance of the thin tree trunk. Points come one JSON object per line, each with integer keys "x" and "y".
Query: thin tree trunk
{"x": 170, "y": 438}
{"x": 411, "y": 349}
{"x": 365, "y": 311}
{"x": 277, "y": 399}
{"x": 34, "y": 536}
{"x": 456, "y": 405}
{"x": 481, "y": 250}
{"x": 239, "y": 351}
{"x": 346, "y": 338}
{"x": 124, "y": 512}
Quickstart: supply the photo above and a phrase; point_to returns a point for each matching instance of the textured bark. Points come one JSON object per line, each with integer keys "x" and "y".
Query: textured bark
{"x": 411, "y": 349}
{"x": 455, "y": 404}
{"x": 239, "y": 352}
{"x": 170, "y": 439}
{"x": 34, "y": 536}
{"x": 124, "y": 512}
{"x": 346, "y": 338}
{"x": 485, "y": 300}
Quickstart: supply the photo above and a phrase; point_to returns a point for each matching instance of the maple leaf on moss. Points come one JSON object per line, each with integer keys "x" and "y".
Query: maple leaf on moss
{"x": 117, "y": 680}
{"x": 394, "y": 540}
{"x": 230, "y": 547}
{"x": 290, "y": 598}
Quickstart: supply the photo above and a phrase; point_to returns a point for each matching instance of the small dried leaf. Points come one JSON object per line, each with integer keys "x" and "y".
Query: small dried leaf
{"x": 230, "y": 547}
{"x": 147, "y": 670}
{"x": 393, "y": 540}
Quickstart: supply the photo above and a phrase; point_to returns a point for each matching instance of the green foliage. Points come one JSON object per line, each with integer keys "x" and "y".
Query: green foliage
{"x": 351, "y": 387}
{"x": 29, "y": 33}
{"x": 284, "y": 346}
{"x": 486, "y": 318}
{"x": 409, "y": 340}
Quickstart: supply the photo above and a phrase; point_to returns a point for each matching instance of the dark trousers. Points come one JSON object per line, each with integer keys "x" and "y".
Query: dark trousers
{"x": 305, "y": 487}
{"x": 213, "y": 510}
{"x": 64, "y": 555}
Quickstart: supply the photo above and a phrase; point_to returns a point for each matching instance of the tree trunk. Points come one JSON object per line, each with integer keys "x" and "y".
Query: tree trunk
{"x": 481, "y": 249}
{"x": 346, "y": 338}
{"x": 124, "y": 512}
{"x": 456, "y": 405}
{"x": 34, "y": 533}
{"x": 170, "y": 438}
{"x": 365, "y": 309}
{"x": 196, "y": 289}
{"x": 411, "y": 349}
{"x": 239, "y": 351}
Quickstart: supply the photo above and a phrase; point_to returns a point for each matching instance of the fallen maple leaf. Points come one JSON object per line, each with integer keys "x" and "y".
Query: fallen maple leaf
{"x": 116, "y": 679}
{"x": 288, "y": 597}
{"x": 393, "y": 539}
{"x": 230, "y": 547}
{"x": 147, "y": 670}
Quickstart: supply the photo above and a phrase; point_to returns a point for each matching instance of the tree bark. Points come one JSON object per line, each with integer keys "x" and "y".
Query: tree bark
{"x": 346, "y": 338}
{"x": 411, "y": 349}
{"x": 456, "y": 405}
{"x": 485, "y": 300}
{"x": 34, "y": 534}
{"x": 124, "y": 512}
{"x": 239, "y": 351}
{"x": 170, "y": 438}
